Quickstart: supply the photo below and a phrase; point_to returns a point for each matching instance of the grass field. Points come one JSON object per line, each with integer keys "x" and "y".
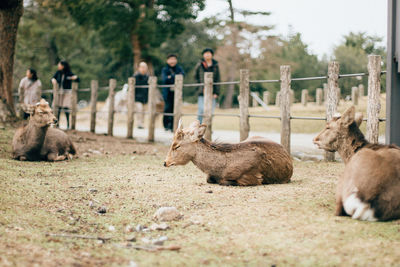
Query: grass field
{"x": 283, "y": 225}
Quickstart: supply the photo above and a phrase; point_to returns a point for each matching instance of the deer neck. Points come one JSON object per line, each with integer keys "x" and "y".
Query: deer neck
{"x": 351, "y": 144}
{"x": 209, "y": 160}
{"x": 35, "y": 135}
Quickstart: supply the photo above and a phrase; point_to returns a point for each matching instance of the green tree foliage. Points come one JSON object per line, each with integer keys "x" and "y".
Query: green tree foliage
{"x": 142, "y": 25}
{"x": 47, "y": 35}
{"x": 352, "y": 55}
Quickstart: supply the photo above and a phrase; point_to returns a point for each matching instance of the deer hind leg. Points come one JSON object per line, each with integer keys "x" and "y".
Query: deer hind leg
{"x": 250, "y": 179}
{"x": 228, "y": 182}
{"x": 339, "y": 208}
{"x": 357, "y": 209}
{"x": 55, "y": 157}
{"x": 212, "y": 179}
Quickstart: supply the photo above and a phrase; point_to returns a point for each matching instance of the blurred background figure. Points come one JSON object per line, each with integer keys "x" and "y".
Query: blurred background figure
{"x": 141, "y": 94}
{"x": 30, "y": 92}
{"x": 64, "y": 77}
{"x": 207, "y": 64}
{"x": 168, "y": 77}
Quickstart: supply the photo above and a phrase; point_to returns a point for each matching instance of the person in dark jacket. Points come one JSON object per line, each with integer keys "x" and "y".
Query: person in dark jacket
{"x": 168, "y": 77}
{"x": 141, "y": 94}
{"x": 64, "y": 77}
{"x": 207, "y": 64}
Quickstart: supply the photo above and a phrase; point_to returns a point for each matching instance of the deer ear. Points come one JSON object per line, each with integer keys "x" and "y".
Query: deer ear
{"x": 197, "y": 133}
{"x": 358, "y": 118}
{"x": 180, "y": 125}
{"x": 348, "y": 116}
{"x": 202, "y": 130}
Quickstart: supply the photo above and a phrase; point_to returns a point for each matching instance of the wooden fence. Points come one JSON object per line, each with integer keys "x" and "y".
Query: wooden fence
{"x": 331, "y": 92}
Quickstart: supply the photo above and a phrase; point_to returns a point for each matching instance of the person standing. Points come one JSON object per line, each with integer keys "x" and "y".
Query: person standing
{"x": 64, "y": 77}
{"x": 141, "y": 94}
{"x": 207, "y": 64}
{"x": 168, "y": 77}
{"x": 30, "y": 92}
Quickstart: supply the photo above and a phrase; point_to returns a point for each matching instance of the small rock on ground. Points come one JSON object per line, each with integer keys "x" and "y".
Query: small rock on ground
{"x": 161, "y": 226}
{"x": 165, "y": 214}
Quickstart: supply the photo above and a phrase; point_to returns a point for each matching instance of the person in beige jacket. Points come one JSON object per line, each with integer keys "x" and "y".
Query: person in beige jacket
{"x": 29, "y": 91}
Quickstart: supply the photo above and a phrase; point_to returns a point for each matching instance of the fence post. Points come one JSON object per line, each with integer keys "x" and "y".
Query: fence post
{"x": 244, "y": 104}
{"x": 373, "y": 105}
{"x": 354, "y": 95}
{"x": 325, "y": 88}
{"x": 131, "y": 106}
{"x": 266, "y": 97}
{"x": 318, "y": 96}
{"x": 361, "y": 92}
{"x": 254, "y": 101}
{"x": 339, "y": 95}
{"x": 332, "y": 95}
{"x": 94, "y": 86}
{"x": 285, "y": 107}
{"x": 152, "y": 107}
{"x": 178, "y": 98}
{"x": 278, "y": 99}
{"x": 74, "y": 106}
{"x": 55, "y": 100}
{"x": 111, "y": 95}
{"x": 208, "y": 101}
{"x": 304, "y": 97}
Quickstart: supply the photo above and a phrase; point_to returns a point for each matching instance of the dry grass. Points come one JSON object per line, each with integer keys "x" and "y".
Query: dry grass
{"x": 290, "y": 224}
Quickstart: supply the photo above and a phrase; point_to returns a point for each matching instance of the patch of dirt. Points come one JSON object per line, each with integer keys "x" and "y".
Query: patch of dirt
{"x": 89, "y": 144}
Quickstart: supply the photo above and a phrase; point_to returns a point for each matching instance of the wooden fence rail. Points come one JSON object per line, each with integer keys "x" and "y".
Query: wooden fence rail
{"x": 329, "y": 93}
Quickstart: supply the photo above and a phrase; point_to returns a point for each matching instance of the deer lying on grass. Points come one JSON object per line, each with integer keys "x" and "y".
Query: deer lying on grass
{"x": 37, "y": 141}
{"x": 369, "y": 189}
{"x": 254, "y": 161}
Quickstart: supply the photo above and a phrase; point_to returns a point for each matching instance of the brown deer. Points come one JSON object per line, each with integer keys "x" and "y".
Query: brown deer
{"x": 254, "y": 161}
{"x": 369, "y": 189}
{"x": 37, "y": 141}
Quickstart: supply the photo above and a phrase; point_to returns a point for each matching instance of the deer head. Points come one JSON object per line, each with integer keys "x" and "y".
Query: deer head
{"x": 42, "y": 114}
{"x": 338, "y": 129}
{"x": 182, "y": 149}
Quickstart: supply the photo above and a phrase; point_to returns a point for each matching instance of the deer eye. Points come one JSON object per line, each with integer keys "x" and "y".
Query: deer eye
{"x": 176, "y": 148}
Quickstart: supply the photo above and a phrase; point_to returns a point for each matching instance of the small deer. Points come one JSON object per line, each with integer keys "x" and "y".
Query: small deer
{"x": 37, "y": 141}
{"x": 254, "y": 161}
{"x": 369, "y": 189}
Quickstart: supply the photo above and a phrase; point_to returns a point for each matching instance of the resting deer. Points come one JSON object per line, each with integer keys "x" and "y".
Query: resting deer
{"x": 254, "y": 161}
{"x": 369, "y": 189}
{"x": 37, "y": 141}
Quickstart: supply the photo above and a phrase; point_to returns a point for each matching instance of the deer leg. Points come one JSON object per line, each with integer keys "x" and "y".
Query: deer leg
{"x": 55, "y": 157}
{"x": 228, "y": 183}
{"x": 339, "y": 208}
{"x": 212, "y": 179}
{"x": 250, "y": 180}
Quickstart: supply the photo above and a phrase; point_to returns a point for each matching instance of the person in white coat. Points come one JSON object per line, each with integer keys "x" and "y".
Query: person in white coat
{"x": 30, "y": 92}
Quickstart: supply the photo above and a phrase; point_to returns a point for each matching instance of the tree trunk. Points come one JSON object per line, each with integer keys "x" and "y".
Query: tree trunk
{"x": 137, "y": 51}
{"x": 10, "y": 14}
{"x": 233, "y": 66}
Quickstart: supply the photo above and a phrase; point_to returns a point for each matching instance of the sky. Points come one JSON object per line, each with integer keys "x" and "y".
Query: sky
{"x": 322, "y": 23}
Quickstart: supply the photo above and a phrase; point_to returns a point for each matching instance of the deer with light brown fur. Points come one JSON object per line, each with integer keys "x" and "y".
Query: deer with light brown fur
{"x": 38, "y": 141}
{"x": 254, "y": 161}
{"x": 369, "y": 189}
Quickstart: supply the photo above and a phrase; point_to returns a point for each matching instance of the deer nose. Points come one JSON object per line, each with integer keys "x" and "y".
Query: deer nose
{"x": 316, "y": 139}
{"x": 165, "y": 164}
{"x": 55, "y": 120}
